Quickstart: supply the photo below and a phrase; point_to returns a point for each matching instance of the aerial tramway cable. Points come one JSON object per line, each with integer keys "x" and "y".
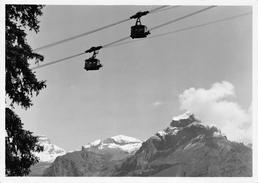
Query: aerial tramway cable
{"x": 164, "y": 24}
{"x": 186, "y": 28}
{"x": 95, "y": 30}
{"x": 183, "y": 17}
{"x": 165, "y": 9}
{"x": 80, "y": 35}
{"x": 59, "y": 60}
{"x": 114, "y": 43}
{"x": 159, "y": 8}
{"x": 161, "y": 25}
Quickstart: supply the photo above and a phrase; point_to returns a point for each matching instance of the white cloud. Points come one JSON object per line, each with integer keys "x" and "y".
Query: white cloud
{"x": 213, "y": 107}
{"x": 157, "y": 103}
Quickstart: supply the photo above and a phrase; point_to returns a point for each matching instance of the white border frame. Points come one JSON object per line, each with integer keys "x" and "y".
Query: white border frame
{"x": 254, "y": 179}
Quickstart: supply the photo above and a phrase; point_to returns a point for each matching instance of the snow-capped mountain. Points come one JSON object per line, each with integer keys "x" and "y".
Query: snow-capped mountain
{"x": 186, "y": 147}
{"x": 98, "y": 158}
{"x": 117, "y": 144}
{"x": 177, "y": 123}
{"x": 183, "y": 116}
{"x": 50, "y": 152}
{"x": 46, "y": 157}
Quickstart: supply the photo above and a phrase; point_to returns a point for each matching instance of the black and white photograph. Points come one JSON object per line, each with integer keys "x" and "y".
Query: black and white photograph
{"x": 128, "y": 91}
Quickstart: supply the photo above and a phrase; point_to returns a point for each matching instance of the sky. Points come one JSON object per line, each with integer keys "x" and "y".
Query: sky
{"x": 142, "y": 85}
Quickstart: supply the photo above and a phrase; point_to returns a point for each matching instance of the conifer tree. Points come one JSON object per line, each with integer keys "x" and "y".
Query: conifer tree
{"x": 21, "y": 84}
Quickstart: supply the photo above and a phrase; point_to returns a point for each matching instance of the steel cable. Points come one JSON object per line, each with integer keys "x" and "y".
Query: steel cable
{"x": 92, "y": 31}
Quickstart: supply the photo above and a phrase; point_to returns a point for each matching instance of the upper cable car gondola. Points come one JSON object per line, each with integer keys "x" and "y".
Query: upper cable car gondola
{"x": 92, "y": 63}
{"x": 139, "y": 30}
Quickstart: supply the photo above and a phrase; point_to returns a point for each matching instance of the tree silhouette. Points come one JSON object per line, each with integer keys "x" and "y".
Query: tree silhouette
{"x": 21, "y": 84}
{"x": 19, "y": 144}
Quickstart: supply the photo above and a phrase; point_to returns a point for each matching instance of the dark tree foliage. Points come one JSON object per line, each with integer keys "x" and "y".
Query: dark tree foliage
{"x": 19, "y": 144}
{"x": 21, "y": 84}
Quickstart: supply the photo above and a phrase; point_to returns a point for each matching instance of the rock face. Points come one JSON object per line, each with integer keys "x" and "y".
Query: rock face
{"x": 188, "y": 148}
{"x": 46, "y": 157}
{"x": 185, "y": 148}
{"x": 99, "y": 158}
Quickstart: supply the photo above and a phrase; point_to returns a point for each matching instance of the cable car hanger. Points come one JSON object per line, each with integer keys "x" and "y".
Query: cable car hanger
{"x": 139, "y": 30}
{"x": 93, "y": 63}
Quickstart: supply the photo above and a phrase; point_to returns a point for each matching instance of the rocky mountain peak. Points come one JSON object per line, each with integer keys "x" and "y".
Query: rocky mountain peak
{"x": 98, "y": 158}
{"x": 183, "y": 120}
{"x": 117, "y": 140}
{"x": 122, "y": 140}
{"x": 50, "y": 151}
{"x": 188, "y": 147}
{"x": 119, "y": 146}
{"x": 46, "y": 157}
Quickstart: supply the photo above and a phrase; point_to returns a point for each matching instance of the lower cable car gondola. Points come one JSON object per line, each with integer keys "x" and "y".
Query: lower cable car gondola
{"x": 92, "y": 63}
{"x": 139, "y": 30}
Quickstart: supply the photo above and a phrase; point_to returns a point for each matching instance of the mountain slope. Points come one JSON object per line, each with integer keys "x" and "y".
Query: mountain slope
{"x": 188, "y": 148}
{"x": 99, "y": 158}
{"x": 46, "y": 157}
{"x": 185, "y": 148}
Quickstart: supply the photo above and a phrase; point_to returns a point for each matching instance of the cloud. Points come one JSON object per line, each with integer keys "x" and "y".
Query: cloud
{"x": 215, "y": 106}
{"x": 157, "y": 103}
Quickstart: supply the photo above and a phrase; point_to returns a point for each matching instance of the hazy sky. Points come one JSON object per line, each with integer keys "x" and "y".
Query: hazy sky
{"x": 137, "y": 91}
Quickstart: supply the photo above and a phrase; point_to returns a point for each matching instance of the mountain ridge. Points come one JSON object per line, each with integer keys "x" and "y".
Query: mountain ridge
{"x": 187, "y": 147}
{"x": 46, "y": 157}
{"x": 98, "y": 158}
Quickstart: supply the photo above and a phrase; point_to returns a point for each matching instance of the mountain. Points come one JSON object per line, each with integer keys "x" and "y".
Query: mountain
{"x": 119, "y": 146}
{"x": 46, "y": 157}
{"x": 186, "y": 147}
{"x": 98, "y": 158}
{"x": 189, "y": 148}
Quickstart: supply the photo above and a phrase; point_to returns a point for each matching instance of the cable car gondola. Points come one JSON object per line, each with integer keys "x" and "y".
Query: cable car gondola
{"x": 139, "y": 30}
{"x": 92, "y": 63}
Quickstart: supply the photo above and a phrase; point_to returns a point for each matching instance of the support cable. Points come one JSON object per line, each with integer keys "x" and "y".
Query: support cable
{"x": 92, "y": 31}
{"x": 168, "y": 8}
{"x": 114, "y": 43}
{"x": 183, "y": 17}
{"x": 186, "y": 28}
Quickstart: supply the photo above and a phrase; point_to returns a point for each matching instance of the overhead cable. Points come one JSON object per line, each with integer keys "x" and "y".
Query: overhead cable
{"x": 92, "y": 31}
{"x": 161, "y": 25}
{"x": 165, "y": 9}
{"x": 125, "y": 38}
{"x": 56, "y": 61}
{"x": 158, "y": 8}
{"x": 183, "y": 17}
{"x": 185, "y": 29}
